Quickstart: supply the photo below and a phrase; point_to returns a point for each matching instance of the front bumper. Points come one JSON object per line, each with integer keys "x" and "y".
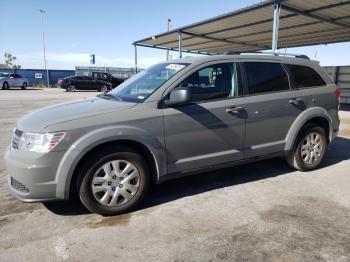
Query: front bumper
{"x": 32, "y": 176}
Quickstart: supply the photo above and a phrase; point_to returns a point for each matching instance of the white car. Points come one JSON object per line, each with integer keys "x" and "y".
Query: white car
{"x": 12, "y": 80}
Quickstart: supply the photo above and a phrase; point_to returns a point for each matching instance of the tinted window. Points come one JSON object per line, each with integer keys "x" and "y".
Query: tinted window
{"x": 305, "y": 76}
{"x": 212, "y": 82}
{"x": 265, "y": 77}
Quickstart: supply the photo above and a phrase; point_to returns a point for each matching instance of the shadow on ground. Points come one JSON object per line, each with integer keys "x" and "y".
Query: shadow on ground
{"x": 172, "y": 190}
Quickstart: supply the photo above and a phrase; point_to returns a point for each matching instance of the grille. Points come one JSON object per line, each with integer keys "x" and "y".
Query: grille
{"x": 18, "y": 185}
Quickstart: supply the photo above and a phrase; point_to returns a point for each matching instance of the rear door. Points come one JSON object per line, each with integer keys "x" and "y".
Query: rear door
{"x": 309, "y": 88}
{"x": 270, "y": 112}
{"x": 209, "y": 130}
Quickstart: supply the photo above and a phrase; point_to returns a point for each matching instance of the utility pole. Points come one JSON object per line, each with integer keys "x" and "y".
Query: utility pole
{"x": 168, "y": 29}
{"x": 42, "y": 12}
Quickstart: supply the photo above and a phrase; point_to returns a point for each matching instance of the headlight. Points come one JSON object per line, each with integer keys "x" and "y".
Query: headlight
{"x": 35, "y": 142}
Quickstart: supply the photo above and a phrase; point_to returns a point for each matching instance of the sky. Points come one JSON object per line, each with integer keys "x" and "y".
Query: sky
{"x": 74, "y": 29}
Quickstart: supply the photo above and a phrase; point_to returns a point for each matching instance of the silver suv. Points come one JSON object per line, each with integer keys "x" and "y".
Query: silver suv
{"x": 173, "y": 119}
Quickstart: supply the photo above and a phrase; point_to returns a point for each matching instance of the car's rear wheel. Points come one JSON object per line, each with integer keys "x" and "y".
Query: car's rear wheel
{"x": 103, "y": 88}
{"x": 70, "y": 88}
{"x": 5, "y": 85}
{"x": 310, "y": 148}
{"x": 112, "y": 183}
{"x": 24, "y": 86}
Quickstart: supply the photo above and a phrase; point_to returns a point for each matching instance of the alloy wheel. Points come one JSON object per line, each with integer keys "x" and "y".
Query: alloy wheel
{"x": 312, "y": 148}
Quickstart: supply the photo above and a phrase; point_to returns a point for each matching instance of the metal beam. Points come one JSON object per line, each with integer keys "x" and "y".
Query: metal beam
{"x": 175, "y": 49}
{"x": 135, "y": 46}
{"x": 180, "y": 44}
{"x": 223, "y": 40}
{"x": 317, "y": 17}
{"x": 276, "y": 24}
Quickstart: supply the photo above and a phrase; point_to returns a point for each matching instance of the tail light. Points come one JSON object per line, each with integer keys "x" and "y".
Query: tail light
{"x": 60, "y": 81}
{"x": 337, "y": 94}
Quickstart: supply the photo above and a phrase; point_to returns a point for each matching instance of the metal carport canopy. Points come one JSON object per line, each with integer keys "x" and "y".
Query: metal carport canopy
{"x": 301, "y": 23}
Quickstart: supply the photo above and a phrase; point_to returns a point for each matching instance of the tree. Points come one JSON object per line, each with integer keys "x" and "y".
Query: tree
{"x": 9, "y": 60}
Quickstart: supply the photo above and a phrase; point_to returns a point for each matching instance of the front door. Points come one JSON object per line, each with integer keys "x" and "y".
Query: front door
{"x": 209, "y": 130}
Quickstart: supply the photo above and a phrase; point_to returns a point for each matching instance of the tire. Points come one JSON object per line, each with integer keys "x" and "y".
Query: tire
{"x": 103, "y": 88}
{"x": 70, "y": 88}
{"x": 306, "y": 155}
{"x": 115, "y": 193}
{"x": 24, "y": 86}
{"x": 5, "y": 86}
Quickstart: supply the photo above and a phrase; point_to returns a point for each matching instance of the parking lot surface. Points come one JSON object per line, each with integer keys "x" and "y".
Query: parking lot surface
{"x": 263, "y": 211}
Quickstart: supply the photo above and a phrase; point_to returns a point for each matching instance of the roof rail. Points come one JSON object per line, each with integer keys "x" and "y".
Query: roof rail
{"x": 267, "y": 53}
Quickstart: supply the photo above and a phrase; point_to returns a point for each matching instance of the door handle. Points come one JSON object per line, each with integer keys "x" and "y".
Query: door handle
{"x": 296, "y": 101}
{"x": 235, "y": 110}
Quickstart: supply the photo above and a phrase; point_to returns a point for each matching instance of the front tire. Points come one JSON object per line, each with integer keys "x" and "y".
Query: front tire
{"x": 5, "y": 86}
{"x": 310, "y": 148}
{"x": 113, "y": 182}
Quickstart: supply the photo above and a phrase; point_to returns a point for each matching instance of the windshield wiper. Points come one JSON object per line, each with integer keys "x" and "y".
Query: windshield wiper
{"x": 109, "y": 96}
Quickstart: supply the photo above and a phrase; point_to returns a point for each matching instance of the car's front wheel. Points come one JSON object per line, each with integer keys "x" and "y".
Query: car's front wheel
{"x": 112, "y": 183}
{"x": 309, "y": 149}
{"x": 5, "y": 85}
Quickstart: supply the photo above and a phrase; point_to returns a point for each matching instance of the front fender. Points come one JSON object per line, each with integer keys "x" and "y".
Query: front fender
{"x": 97, "y": 137}
{"x": 301, "y": 120}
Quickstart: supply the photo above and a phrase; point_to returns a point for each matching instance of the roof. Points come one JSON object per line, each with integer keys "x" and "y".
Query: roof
{"x": 302, "y": 23}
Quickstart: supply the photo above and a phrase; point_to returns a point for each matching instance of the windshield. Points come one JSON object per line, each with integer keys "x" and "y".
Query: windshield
{"x": 139, "y": 87}
{"x": 3, "y": 74}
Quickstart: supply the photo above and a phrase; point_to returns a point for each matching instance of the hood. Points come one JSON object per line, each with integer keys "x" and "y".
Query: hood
{"x": 48, "y": 116}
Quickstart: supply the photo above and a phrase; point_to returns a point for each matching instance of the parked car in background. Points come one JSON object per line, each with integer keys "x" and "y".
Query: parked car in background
{"x": 73, "y": 83}
{"x": 174, "y": 119}
{"x": 8, "y": 80}
{"x": 115, "y": 81}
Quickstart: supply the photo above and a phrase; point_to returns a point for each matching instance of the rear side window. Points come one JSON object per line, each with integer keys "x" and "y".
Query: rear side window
{"x": 305, "y": 76}
{"x": 265, "y": 77}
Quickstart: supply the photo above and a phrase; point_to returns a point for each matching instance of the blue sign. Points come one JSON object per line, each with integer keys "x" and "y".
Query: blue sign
{"x": 92, "y": 59}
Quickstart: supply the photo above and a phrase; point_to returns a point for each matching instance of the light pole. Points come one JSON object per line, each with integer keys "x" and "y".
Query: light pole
{"x": 42, "y": 12}
{"x": 167, "y": 51}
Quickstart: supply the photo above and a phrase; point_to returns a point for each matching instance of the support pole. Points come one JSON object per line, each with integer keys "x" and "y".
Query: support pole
{"x": 180, "y": 44}
{"x": 135, "y": 46}
{"x": 276, "y": 23}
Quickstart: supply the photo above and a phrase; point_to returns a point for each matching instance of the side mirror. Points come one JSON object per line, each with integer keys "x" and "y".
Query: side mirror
{"x": 179, "y": 96}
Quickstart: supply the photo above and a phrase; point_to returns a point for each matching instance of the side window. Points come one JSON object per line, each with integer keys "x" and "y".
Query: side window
{"x": 265, "y": 77}
{"x": 306, "y": 76}
{"x": 213, "y": 82}
{"x": 105, "y": 76}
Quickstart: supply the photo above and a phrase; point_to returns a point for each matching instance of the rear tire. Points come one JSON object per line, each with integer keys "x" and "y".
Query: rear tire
{"x": 103, "y": 88}
{"x": 24, "y": 86}
{"x": 309, "y": 149}
{"x": 119, "y": 189}
{"x": 70, "y": 88}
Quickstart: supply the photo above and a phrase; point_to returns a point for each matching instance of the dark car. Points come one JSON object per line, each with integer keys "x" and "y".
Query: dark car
{"x": 115, "y": 81}
{"x": 72, "y": 83}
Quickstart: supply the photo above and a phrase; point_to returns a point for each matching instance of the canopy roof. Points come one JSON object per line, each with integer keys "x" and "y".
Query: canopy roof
{"x": 301, "y": 23}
